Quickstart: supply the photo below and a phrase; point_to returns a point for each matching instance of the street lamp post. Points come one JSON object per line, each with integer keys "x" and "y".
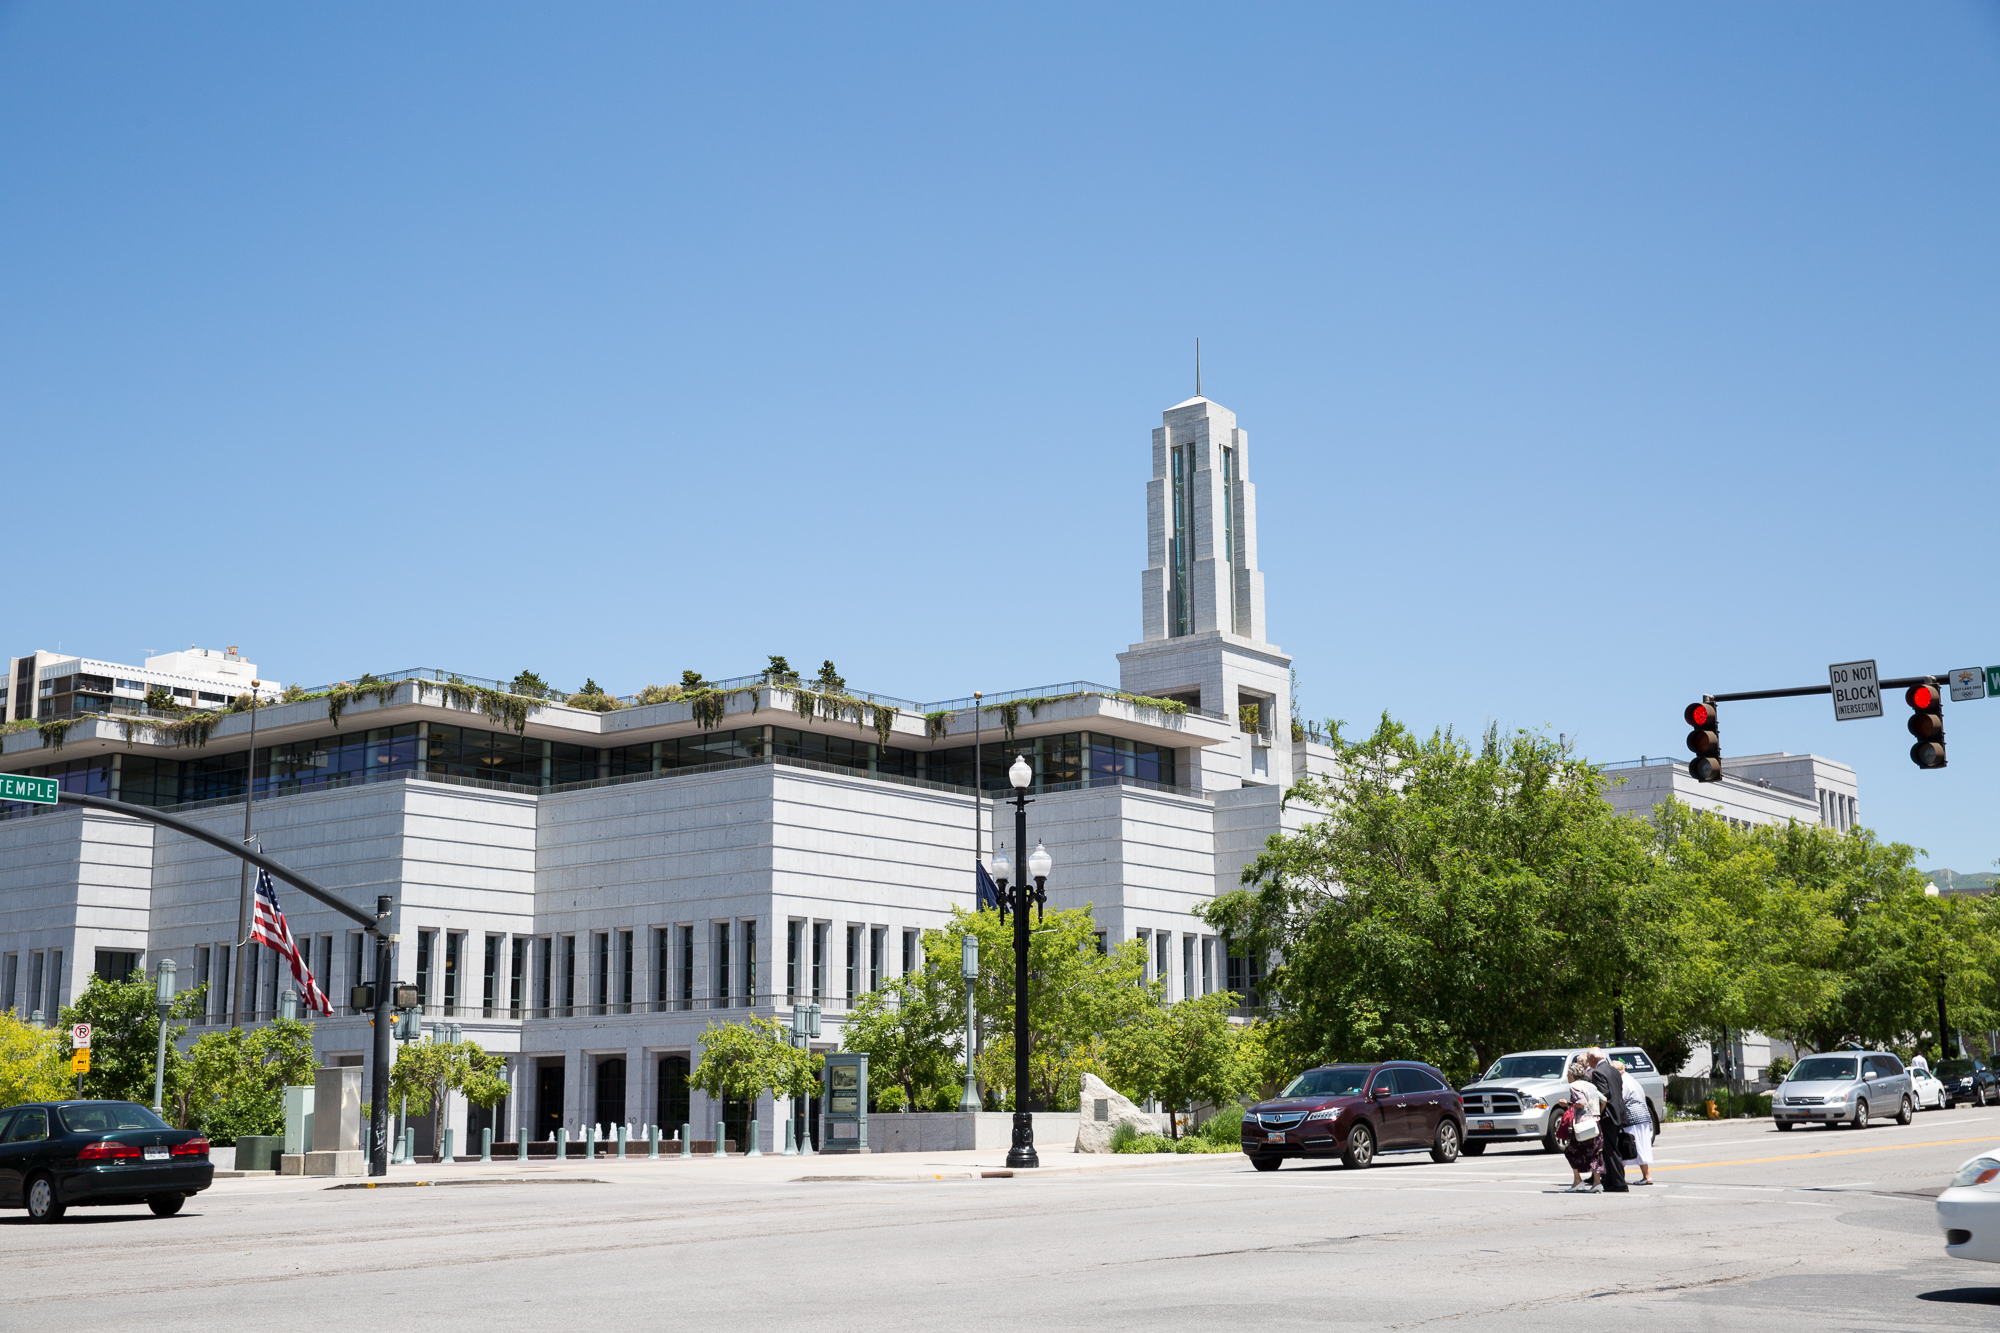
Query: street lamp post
{"x": 163, "y": 998}
{"x": 1022, "y": 1153}
{"x": 805, "y": 1027}
{"x": 968, "y": 967}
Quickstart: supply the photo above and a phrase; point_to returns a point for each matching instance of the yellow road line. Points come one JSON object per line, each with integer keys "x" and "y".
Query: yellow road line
{"x": 1831, "y": 1152}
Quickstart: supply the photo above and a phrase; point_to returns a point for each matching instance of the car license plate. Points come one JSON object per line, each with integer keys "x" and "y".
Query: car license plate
{"x": 1274, "y": 1137}
{"x": 156, "y": 1154}
{"x": 1482, "y": 1124}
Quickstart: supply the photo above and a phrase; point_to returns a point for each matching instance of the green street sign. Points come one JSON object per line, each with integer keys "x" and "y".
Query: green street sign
{"x": 14, "y": 787}
{"x": 1993, "y": 681}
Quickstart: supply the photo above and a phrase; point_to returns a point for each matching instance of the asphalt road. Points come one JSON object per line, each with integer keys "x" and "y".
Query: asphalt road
{"x": 1830, "y": 1230}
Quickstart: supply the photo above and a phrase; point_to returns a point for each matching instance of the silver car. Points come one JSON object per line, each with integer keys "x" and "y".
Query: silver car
{"x": 1517, "y": 1099}
{"x": 1844, "y": 1088}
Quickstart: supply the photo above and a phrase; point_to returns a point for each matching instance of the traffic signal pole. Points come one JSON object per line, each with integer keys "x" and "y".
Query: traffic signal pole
{"x": 1923, "y": 694}
{"x": 1900, "y": 683}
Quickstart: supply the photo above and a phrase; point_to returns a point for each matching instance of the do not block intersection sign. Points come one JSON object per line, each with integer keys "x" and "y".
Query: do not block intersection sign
{"x": 1857, "y": 691}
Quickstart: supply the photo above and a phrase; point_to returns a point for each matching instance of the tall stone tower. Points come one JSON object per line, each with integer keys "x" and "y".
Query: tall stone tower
{"x": 1202, "y": 595}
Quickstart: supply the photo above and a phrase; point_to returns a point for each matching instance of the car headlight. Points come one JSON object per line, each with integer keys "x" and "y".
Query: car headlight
{"x": 1324, "y": 1113}
{"x": 1978, "y": 1171}
{"x": 1534, "y": 1103}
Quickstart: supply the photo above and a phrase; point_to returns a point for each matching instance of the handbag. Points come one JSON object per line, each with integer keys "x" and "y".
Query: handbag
{"x": 1585, "y": 1127}
{"x": 1628, "y": 1147}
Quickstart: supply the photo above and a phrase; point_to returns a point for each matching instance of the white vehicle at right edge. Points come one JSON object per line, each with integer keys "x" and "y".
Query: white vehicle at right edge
{"x": 1969, "y": 1210}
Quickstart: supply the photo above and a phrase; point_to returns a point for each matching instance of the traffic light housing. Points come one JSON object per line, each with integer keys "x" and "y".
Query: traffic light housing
{"x": 1705, "y": 740}
{"x": 1926, "y": 703}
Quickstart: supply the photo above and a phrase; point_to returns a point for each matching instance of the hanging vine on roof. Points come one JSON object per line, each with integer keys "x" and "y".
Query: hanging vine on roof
{"x": 54, "y": 731}
{"x": 885, "y": 719}
{"x": 934, "y": 723}
{"x": 1010, "y": 717}
{"x": 708, "y": 708}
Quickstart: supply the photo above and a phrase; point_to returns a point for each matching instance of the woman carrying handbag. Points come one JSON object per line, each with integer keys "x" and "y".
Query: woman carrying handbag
{"x": 1579, "y": 1131}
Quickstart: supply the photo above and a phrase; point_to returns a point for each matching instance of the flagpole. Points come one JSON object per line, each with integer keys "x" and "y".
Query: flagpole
{"x": 978, "y": 797}
{"x": 243, "y": 888}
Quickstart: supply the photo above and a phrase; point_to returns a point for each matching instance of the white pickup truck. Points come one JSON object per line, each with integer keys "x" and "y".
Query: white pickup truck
{"x": 1516, "y": 1100}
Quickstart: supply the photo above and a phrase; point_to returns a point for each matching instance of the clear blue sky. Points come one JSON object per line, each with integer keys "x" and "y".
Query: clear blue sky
{"x": 1593, "y": 356}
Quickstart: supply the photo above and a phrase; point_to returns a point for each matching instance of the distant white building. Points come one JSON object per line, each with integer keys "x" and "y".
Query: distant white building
{"x": 46, "y": 686}
{"x": 585, "y": 891}
{"x": 1755, "y": 789}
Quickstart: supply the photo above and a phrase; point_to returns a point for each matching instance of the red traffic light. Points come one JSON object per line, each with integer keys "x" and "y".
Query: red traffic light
{"x": 1920, "y": 697}
{"x": 1705, "y": 741}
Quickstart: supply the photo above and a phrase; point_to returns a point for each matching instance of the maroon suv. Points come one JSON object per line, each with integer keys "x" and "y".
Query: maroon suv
{"x": 1357, "y": 1111}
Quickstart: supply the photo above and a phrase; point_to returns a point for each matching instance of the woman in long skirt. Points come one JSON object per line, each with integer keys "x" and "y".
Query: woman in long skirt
{"x": 1638, "y": 1115}
{"x": 1585, "y": 1148}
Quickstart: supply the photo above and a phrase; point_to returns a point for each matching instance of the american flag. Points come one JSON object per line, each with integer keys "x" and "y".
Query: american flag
{"x": 267, "y": 924}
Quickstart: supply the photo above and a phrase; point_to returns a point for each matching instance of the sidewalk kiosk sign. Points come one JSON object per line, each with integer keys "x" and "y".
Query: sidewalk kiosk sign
{"x": 846, "y": 1102}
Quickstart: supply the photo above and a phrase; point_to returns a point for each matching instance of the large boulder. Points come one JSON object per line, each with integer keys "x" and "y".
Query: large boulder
{"x": 1103, "y": 1110}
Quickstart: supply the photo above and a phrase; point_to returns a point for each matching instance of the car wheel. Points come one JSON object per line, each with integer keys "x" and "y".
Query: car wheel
{"x": 1471, "y": 1149}
{"x": 166, "y": 1205}
{"x": 1904, "y": 1112}
{"x": 1946, "y": 1104}
{"x": 43, "y": 1205}
{"x": 1979, "y": 1095}
{"x": 1549, "y": 1143}
{"x": 1359, "y": 1150}
{"x": 1861, "y": 1114}
{"x": 1445, "y": 1149}
{"x": 1784, "y": 1126}
{"x": 1265, "y": 1162}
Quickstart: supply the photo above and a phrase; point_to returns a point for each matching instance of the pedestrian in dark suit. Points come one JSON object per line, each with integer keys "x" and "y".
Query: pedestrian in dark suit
{"x": 1609, "y": 1081}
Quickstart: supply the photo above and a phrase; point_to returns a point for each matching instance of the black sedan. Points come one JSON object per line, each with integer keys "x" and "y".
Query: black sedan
{"x": 1356, "y": 1111}
{"x": 1968, "y": 1080}
{"x": 55, "y": 1156}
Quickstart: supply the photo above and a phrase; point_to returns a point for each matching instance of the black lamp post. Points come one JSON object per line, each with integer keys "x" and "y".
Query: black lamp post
{"x": 1022, "y": 1154}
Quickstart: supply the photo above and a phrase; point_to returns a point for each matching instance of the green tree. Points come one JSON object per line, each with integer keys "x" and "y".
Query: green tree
{"x": 1180, "y": 1055}
{"x": 33, "y": 1067}
{"x": 691, "y": 682}
{"x": 778, "y": 671}
{"x": 125, "y": 1035}
{"x": 529, "y": 686}
{"x": 1449, "y": 903}
{"x": 911, "y": 1029}
{"x": 235, "y": 1079}
{"x": 741, "y": 1061}
{"x": 425, "y": 1071}
{"x": 1075, "y": 995}
{"x": 830, "y": 680}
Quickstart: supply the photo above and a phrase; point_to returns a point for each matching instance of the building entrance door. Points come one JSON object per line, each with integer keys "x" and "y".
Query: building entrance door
{"x": 548, "y": 1099}
{"x": 610, "y": 1094}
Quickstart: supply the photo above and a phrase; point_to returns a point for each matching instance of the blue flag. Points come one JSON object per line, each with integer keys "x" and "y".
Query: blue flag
{"x": 988, "y": 891}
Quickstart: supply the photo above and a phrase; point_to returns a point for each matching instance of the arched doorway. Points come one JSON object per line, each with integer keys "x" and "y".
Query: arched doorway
{"x": 610, "y": 1108}
{"x": 674, "y": 1102}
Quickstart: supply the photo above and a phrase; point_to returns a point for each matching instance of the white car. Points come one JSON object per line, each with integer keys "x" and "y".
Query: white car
{"x": 1969, "y": 1211}
{"x": 1930, "y": 1093}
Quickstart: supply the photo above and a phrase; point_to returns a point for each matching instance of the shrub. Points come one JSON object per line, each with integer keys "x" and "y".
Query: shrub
{"x": 1225, "y": 1126}
{"x": 1779, "y": 1067}
{"x": 1123, "y": 1135}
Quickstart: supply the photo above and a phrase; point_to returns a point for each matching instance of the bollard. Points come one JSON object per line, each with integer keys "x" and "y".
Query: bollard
{"x": 445, "y": 1155}
{"x": 409, "y": 1143}
{"x": 686, "y": 1146}
{"x": 486, "y": 1144}
{"x": 720, "y": 1130}
{"x": 652, "y": 1142}
{"x": 365, "y": 1131}
{"x": 753, "y": 1150}
{"x": 562, "y": 1143}
{"x": 621, "y": 1142}
{"x": 805, "y": 1138}
{"x": 786, "y": 1150}
{"x": 521, "y": 1145}
{"x": 589, "y": 1141}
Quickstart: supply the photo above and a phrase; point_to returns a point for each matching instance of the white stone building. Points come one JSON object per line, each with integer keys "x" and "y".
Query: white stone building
{"x": 585, "y": 891}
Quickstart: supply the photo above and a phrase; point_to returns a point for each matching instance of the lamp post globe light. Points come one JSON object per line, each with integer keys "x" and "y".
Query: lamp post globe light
{"x": 1040, "y": 863}
{"x": 968, "y": 968}
{"x": 163, "y": 999}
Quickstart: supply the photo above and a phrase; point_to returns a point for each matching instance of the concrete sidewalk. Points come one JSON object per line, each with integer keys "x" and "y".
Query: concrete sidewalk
{"x": 764, "y": 1170}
